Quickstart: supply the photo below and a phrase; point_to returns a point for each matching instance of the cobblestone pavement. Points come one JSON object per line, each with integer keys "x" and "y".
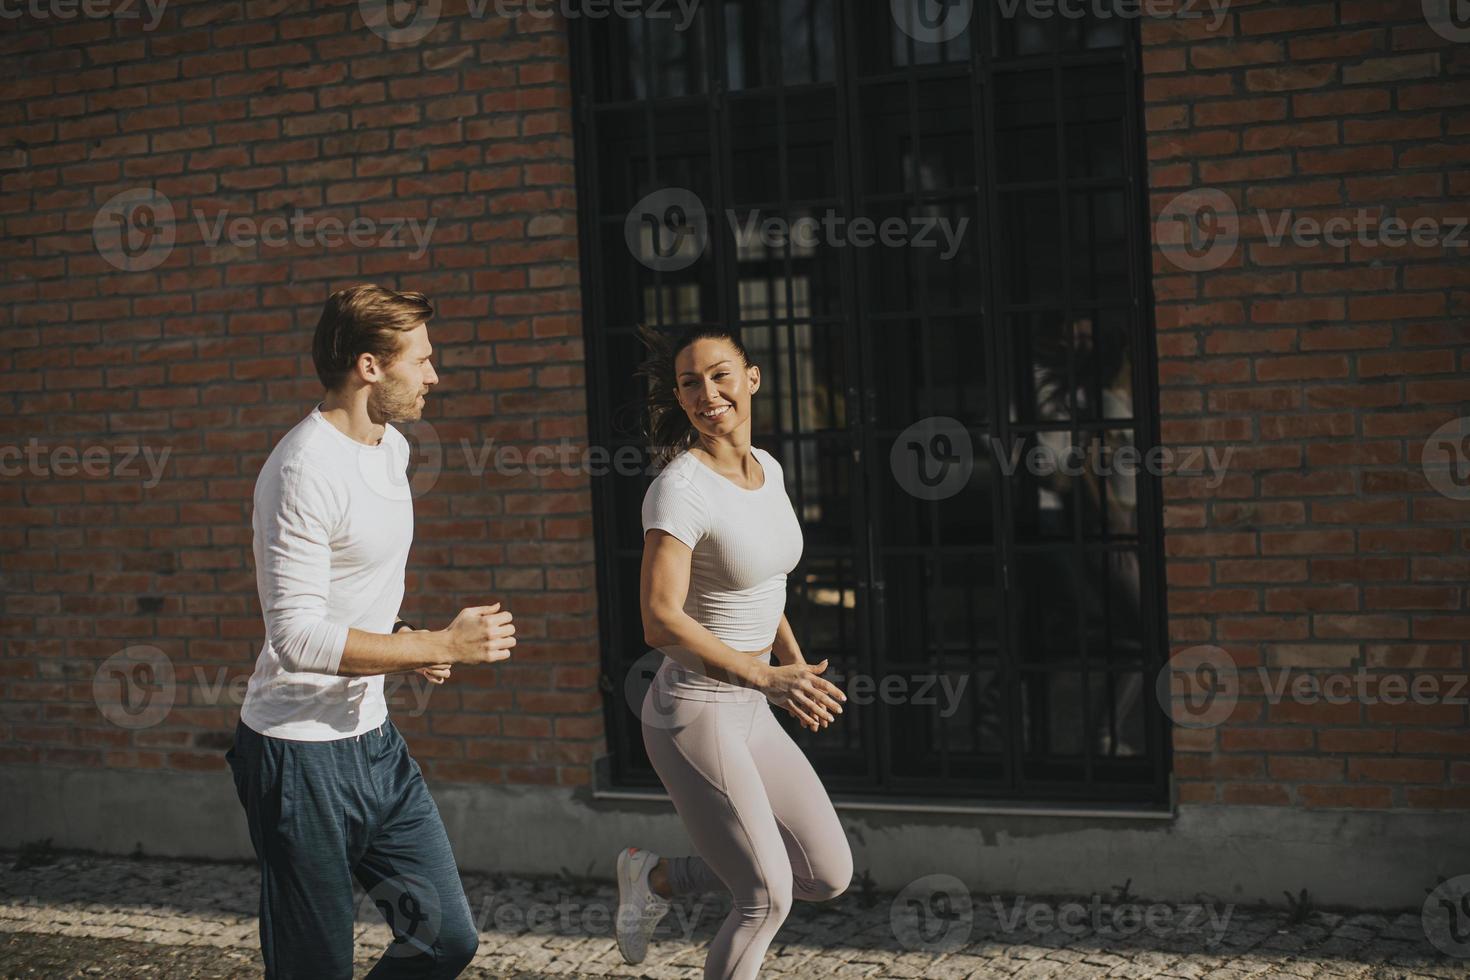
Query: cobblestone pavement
{"x": 75, "y": 915}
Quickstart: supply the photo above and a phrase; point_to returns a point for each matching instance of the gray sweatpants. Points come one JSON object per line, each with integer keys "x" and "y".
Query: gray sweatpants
{"x": 756, "y": 812}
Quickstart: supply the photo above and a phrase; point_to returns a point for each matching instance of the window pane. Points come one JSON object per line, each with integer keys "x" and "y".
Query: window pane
{"x": 1100, "y": 28}
{"x": 887, "y": 161}
{"x": 1113, "y": 610}
{"x": 811, "y": 160}
{"x": 1099, "y": 246}
{"x": 1093, "y": 110}
{"x": 1046, "y": 606}
{"x": 755, "y": 153}
{"x": 946, "y": 245}
{"x": 946, "y": 133}
{"x": 1023, "y": 29}
{"x": 803, "y": 378}
{"x": 1025, "y": 126}
{"x": 957, "y": 385}
{"x": 963, "y": 517}
{"x": 1031, "y": 259}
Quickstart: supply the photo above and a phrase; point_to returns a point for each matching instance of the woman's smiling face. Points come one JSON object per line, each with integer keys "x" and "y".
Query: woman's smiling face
{"x": 714, "y": 386}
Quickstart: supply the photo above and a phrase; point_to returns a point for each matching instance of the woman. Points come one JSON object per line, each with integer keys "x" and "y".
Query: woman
{"x": 720, "y": 537}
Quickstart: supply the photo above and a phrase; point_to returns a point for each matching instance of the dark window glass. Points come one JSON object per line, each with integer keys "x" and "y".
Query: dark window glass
{"x": 961, "y": 308}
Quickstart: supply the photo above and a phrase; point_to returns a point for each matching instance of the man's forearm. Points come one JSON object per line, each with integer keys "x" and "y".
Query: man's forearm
{"x": 376, "y": 653}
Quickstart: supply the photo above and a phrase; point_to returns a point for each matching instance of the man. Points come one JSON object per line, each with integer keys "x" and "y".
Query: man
{"x": 327, "y": 783}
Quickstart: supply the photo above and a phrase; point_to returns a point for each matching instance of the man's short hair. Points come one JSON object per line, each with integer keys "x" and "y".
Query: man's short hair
{"x": 364, "y": 319}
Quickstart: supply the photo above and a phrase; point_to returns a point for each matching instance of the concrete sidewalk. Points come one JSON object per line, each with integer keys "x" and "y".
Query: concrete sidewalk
{"x": 66, "y": 914}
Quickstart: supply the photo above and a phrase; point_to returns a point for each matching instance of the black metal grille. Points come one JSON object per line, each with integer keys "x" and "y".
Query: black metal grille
{"x": 1040, "y": 592}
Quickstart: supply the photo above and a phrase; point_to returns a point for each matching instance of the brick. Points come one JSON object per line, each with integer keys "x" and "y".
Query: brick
{"x": 1341, "y": 103}
{"x": 1289, "y": 78}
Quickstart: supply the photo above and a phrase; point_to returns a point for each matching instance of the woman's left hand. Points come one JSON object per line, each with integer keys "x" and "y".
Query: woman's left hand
{"x": 802, "y": 723}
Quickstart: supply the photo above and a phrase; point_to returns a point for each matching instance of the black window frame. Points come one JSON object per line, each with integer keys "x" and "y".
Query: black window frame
{"x": 616, "y": 618}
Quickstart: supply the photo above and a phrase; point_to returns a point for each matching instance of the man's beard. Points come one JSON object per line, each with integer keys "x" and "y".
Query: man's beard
{"x": 394, "y": 404}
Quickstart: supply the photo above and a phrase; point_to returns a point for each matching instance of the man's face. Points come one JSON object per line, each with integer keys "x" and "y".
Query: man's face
{"x": 398, "y": 396}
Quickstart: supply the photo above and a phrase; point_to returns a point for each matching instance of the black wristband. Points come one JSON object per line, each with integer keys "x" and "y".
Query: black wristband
{"x": 400, "y": 624}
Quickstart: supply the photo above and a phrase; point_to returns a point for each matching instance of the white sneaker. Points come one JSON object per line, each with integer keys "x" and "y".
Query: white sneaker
{"x": 639, "y": 908}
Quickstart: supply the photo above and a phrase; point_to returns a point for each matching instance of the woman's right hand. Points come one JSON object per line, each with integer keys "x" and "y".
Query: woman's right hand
{"x": 798, "y": 688}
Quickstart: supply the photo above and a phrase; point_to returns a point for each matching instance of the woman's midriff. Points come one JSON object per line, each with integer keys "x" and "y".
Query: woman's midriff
{"x": 681, "y": 681}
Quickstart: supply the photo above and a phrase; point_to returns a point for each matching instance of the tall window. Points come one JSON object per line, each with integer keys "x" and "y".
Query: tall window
{"x": 998, "y": 625}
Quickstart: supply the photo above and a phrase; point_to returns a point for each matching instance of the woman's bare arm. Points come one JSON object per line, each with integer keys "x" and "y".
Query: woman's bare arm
{"x": 663, "y": 587}
{"x": 786, "y": 648}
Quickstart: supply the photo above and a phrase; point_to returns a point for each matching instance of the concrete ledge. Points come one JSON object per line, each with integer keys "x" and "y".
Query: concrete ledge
{"x": 1244, "y": 855}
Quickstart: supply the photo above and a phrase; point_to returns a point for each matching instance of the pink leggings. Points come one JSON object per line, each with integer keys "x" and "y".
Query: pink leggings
{"x": 757, "y": 814}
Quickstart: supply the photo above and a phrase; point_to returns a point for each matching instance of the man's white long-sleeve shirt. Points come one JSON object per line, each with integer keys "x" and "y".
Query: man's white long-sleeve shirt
{"x": 333, "y": 523}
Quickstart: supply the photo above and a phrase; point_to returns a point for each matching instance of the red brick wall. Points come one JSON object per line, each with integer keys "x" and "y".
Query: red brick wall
{"x": 1325, "y": 550}
{"x": 208, "y": 355}
{"x": 1324, "y": 370}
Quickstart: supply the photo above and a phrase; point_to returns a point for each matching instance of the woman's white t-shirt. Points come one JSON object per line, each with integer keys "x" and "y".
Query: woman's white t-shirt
{"x": 743, "y": 542}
